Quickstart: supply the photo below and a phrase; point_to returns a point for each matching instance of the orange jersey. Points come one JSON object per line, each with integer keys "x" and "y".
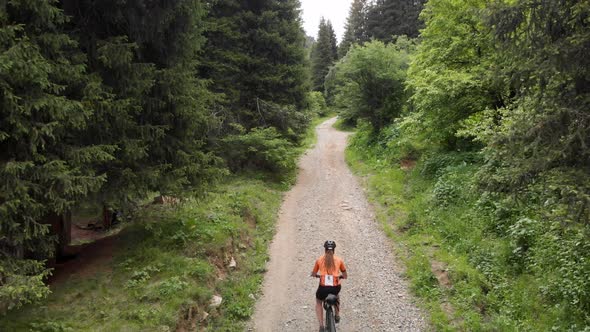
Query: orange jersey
{"x": 329, "y": 278}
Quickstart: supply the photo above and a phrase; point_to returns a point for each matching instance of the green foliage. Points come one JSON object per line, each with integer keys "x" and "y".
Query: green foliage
{"x": 23, "y": 283}
{"x": 49, "y": 326}
{"x": 386, "y": 19}
{"x": 355, "y": 31}
{"x": 449, "y": 74}
{"x": 171, "y": 286}
{"x": 255, "y": 51}
{"x": 543, "y": 126}
{"x": 44, "y": 167}
{"x": 369, "y": 82}
{"x": 508, "y": 264}
{"x": 260, "y": 148}
{"x": 317, "y": 104}
{"x": 150, "y": 104}
{"x": 162, "y": 277}
{"x": 109, "y": 101}
{"x": 505, "y": 80}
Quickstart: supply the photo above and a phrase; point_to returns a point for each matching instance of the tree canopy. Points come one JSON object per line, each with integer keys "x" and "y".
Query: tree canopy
{"x": 389, "y": 18}
{"x": 355, "y": 31}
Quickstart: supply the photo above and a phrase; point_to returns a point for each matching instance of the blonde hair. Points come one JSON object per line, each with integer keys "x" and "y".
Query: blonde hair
{"x": 329, "y": 261}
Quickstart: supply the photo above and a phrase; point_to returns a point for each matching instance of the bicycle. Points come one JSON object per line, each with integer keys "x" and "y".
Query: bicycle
{"x": 329, "y": 303}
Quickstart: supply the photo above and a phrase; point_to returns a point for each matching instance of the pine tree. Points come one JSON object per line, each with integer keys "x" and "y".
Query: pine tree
{"x": 44, "y": 167}
{"x": 151, "y": 106}
{"x": 255, "y": 58}
{"x": 355, "y": 32}
{"x": 324, "y": 54}
{"x": 389, "y": 18}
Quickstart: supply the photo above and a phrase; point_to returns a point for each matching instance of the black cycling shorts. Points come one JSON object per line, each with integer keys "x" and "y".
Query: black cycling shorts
{"x": 323, "y": 291}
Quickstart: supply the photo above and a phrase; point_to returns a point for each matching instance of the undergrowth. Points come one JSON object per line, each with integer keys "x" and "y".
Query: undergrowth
{"x": 169, "y": 264}
{"x": 477, "y": 264}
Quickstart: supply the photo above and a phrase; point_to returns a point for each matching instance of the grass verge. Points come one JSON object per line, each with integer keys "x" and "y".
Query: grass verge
{"x": 166, "y": 269}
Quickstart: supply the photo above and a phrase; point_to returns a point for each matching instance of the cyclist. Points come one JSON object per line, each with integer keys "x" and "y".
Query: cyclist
{"x": 329, "y": 267}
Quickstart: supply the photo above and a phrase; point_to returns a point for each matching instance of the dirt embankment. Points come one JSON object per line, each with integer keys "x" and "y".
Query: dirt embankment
{"x": 328, "y": 203}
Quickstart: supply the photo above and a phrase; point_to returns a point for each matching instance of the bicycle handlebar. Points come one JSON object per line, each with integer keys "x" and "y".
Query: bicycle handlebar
{"x": 318, "y": 276}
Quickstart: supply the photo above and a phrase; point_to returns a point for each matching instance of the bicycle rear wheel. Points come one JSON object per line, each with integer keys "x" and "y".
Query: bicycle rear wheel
{"x": 330, "y": 320}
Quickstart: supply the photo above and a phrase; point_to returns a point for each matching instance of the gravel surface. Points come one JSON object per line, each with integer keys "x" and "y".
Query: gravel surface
{"x": 328, "y": 203}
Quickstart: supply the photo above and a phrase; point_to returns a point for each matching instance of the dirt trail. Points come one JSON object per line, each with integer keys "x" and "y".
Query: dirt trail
{"x": 328, "y": 203}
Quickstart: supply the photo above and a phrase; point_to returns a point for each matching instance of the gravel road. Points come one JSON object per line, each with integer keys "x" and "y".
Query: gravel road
{"x": 328, "y": 203}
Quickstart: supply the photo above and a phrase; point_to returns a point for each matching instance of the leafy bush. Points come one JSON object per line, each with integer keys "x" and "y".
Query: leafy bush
{"x": 445, "y": 191}
{"x": 22, "y": 282}
{"x": 171, "y": 286}
{"x": 434, "y": 165}
{"x": 259, "y": 148}
{"x": 49, "y": 326}
{"x": 317, "y": 103}
{"x": 369, "y": 82}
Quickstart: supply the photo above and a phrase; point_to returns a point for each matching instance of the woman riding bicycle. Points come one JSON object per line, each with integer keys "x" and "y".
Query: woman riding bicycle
{"x": 330, "y": 268}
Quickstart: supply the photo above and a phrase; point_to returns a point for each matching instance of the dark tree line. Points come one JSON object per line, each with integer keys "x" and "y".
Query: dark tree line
{"x": 106, "y": 101}
{"x": 381, "y": 20}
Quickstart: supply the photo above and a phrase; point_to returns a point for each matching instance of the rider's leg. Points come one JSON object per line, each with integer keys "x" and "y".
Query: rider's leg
{"x": 337, "y": 318}
{"x": 319, "y": 311}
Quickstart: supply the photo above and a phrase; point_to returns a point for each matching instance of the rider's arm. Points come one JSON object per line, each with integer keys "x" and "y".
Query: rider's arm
{"x": 343, "y": 271}
{"x": 316, "y": 268}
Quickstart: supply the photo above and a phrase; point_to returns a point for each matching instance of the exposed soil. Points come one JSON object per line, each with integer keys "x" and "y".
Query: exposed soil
{"x": 407, "y": 164}
{"x": 440, "y": 271}
{"x": 328, "y": 203}
{"x": 85, "y": 260}
{"x": 85, "y": 235}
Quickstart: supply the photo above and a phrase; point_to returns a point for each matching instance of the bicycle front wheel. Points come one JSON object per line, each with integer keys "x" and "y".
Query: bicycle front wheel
{"x": 330, "y": 320}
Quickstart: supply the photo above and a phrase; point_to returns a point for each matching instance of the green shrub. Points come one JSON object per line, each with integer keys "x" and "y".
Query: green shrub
{"x": 49, "y": 326}
{"x": 317, "y": 104}
{"x": 259, "y": 148}
{"x": 171, "y": 286}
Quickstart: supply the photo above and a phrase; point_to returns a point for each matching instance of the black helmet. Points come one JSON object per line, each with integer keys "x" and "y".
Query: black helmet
{"x": 329, "y": 245}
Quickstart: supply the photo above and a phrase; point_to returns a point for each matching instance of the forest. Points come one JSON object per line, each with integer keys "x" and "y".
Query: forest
{"x": 471, "y": 123}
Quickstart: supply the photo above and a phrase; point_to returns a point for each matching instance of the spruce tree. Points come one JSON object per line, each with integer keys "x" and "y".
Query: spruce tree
{"x": 255, "y": 61}
{"x": 151, "y": 106}
{"x": 324, "y": 54}
{"x": 44, "y": 166}
{"x": 355, "y": 32}
{"x": 389, "y": 18}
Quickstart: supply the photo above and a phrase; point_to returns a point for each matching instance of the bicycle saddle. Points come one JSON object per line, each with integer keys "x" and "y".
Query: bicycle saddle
{"x": 331, "y": 299}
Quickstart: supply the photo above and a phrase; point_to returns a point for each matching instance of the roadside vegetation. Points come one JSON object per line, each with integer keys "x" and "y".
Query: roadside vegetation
{"x": 171, "y": 260}
{"x": 167, "y": 265}
{"x": 477, "y": 157}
